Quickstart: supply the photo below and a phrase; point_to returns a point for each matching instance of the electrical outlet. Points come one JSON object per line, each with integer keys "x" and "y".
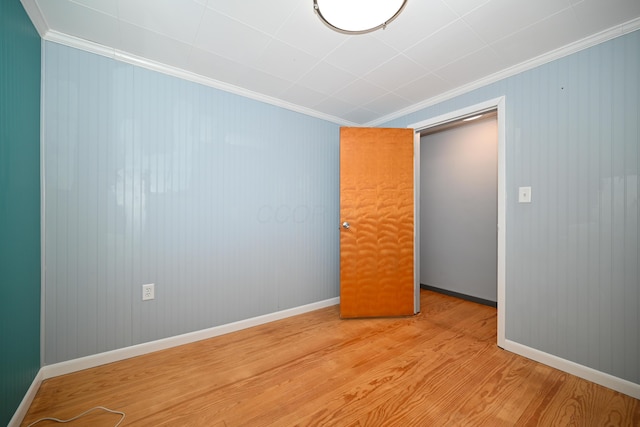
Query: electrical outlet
{"x": 148, "y": 292}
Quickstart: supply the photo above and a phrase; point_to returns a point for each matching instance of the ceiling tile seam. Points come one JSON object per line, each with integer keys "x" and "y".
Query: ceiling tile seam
{"x": 473, "y": 30}
{"x": 418, "y": 41}
{"x": 120, "y": 36}
{"x": 272, "y": 38}
{"x": 324, "y": 58}
{"x": 195, "y": 35}
{"x": 244, "y": 23}
{"x": 575, "y": 13}
{"x": 382, "y": 96}
{"x": 317, "y": 62}
{"x": 442, "y": 76}
{"x": 335, "y": 98}
{"x": 332, "y": 93}
{"x": 424, "y": 69}
{"x": 372, "y": 100}
{"x": 192, "y": 45}
{"x": 291, "y": 83}
{"x": 328, "y": 94}
{"x": 349, "y": 72}
{"x": 435, "y": 31}
{"x": 360, "y": 79}
{"x": 478, "y": 6}
{"x": 93, "y": 8}
{"x": 361, "y": 108}
{"x": 346, "y": 39}
{"x": 585, "y": 43}
{"x": 284, "y": 21}
{"x": 452, "y": 10}
{"x": 120, "y": 21}
{"x": 414, "y": 81}
{"x": 410, "y": 82}
{"x": 252, "y": 63}
{"x": 382, "y": 41}
{"x": 519, "y": 29}
{"x": 315, "y": 105}
{"x": 151, "y": 30}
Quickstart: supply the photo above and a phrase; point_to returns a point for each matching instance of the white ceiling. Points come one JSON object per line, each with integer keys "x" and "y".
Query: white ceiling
{"x": 279, "y": 51}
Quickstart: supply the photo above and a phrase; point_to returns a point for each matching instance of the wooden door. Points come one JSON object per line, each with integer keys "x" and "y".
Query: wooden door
{"x": 377, "y": 222}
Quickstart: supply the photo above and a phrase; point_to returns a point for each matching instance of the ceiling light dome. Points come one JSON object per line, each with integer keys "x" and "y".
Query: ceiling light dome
{"x": 358, "y": 16}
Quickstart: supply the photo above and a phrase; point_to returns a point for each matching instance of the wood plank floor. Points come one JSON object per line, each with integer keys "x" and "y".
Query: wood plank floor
{"x": 440, "y": 368}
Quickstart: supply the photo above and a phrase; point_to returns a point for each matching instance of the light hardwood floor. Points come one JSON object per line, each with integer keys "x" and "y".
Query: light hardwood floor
{"x": 440, "y": 368}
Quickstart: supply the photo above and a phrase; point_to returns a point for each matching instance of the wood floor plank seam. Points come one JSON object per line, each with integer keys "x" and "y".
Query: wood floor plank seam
{"x": 441, "y": 367}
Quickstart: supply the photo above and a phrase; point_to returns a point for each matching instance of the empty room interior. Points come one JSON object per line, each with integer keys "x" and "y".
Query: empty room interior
{"x": 319, "y": 212}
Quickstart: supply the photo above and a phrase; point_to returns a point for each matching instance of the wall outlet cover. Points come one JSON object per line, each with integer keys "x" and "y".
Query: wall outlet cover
{"x": 148, "y": 292}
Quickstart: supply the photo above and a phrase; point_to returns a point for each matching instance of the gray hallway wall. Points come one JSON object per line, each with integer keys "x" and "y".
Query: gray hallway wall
{"x": 458, "y": 209}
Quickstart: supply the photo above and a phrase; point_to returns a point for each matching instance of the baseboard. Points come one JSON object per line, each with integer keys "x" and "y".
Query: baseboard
{"x": 23, "y": 408}
{"x": 67, "y": 367}
{"x": 50, "y": 371}
{"x": 584, "y": 372}
{"x": 459, "y": 295}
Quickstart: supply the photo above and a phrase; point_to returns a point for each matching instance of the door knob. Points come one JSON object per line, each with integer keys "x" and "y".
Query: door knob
{"x": 345, "y": 225}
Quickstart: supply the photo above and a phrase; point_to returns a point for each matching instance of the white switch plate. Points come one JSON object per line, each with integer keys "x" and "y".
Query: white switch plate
{"x": 524, "y": 195}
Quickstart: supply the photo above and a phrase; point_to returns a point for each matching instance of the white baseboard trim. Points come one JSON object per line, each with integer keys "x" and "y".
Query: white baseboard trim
{"x": 584, "y": 372}
{"x": 69, "y": 366}
{"x": 22, "y": 410}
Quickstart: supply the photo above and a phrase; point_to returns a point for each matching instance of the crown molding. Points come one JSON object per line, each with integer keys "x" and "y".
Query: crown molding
{"x": 595, "y": 39}
{"x": 35, "y": 15}
{"x": 122, "y": 56}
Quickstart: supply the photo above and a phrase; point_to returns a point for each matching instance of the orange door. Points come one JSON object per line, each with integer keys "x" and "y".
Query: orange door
{"x": 377, "y": 222}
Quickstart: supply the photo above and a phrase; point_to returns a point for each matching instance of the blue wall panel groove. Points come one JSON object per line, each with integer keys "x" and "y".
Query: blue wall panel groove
{"x": 572, "y": 134}
{"x": 228, "y": 205}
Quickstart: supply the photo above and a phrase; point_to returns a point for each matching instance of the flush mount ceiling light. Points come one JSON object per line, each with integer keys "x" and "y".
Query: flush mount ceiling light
{"x": 358, "y": 16}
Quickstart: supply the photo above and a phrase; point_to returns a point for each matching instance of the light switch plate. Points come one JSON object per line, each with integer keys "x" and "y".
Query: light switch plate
{"x": 524, "y": 195}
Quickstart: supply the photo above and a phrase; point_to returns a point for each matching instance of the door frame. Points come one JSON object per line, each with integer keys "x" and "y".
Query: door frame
{"x": 497, "y": 104}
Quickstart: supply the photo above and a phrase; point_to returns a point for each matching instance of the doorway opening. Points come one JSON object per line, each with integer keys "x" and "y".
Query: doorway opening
{"x": 458, "y": 208}
{"x": 496, "y": 105}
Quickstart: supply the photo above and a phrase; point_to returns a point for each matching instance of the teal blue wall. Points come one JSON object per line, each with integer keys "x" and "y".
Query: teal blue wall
{"x": 19, "y": 206}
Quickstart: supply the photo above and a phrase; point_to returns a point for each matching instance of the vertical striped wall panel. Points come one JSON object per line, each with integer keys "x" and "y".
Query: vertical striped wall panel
{"x": 573, "y": 135}
{"x": 19, "y": 206}
{"x": 228, "y": 205}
